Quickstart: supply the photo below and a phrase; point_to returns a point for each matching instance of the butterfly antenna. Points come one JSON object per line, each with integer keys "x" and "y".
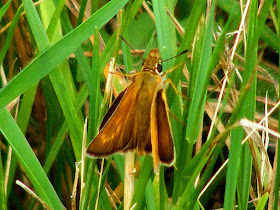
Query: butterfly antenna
{"x": 185, "y": 51}
{"x": 127, "y": 43}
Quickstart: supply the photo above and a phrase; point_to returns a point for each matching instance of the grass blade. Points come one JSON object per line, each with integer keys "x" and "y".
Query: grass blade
{"x": 28, "y": 160}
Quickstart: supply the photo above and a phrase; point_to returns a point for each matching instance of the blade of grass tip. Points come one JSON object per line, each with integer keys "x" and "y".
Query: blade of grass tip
{"x": 108, "y": 51}
{"x": 4, "y": 9}
{"x": 28, "y": 160}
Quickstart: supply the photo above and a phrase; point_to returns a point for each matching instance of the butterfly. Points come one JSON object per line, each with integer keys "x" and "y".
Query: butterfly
{"x": 138, "y": 119}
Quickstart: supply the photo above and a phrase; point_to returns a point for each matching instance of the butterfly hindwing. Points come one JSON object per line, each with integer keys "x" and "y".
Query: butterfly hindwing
{"x": 165, "y": 139}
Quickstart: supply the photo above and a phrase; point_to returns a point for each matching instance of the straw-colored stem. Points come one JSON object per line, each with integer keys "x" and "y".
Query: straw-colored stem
{"x": 128, "y": 179}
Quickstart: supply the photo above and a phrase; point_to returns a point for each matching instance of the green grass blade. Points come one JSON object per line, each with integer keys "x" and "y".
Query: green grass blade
{"x": 36, "y": 25}
{"x": 22, "y": 121}
{"x": 263, "y": 201}
{"x": 4, "y": 9}
{"x": 95, "y": 90}
{"x": 49, "y": 59}
{"x": 240, "y": 155}
{"x": 28, "y": 160}
{"x": 82, "y": 11}
{"x": 166, "y": 37}
{"x": 180, "y": 143}
{"x": 64, "y": 97}
{"x": 165, "y": 31}
{"x": 275, "y": 198}
{"x": 55, "y": 18}
{"x": 10, "y": 34}
{"x": 3, "y": 194}
{"x": 190, "y": 27}
{"x": 144, "y": 176}
{"x": 198, "y": 98}
{"x": 150, "y": 198}
{"x": 79, "y": 102}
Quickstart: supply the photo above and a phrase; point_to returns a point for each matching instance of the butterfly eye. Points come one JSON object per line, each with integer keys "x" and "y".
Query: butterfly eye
{"x": 159, "y": 68}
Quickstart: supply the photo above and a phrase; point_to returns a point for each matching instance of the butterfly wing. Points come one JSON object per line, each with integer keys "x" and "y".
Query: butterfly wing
{"x": 112, "y": 109}
{"x": 165, "y": 139}
{"x": 117, "y": 127}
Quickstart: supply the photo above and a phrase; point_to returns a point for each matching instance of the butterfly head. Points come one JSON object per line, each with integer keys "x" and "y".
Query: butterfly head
{"x": 153, "y": 62}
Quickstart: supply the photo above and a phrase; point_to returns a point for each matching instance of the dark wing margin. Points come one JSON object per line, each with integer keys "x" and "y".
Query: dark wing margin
{"x": 165, "y": 139}
{"x": 112, "y": 109}
{"x": 117, "y": 128}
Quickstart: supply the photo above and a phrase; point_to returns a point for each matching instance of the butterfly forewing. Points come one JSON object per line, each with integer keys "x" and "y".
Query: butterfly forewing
{"x": 117, "y": 129}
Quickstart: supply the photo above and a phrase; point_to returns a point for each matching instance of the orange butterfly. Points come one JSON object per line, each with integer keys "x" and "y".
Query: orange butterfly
{"x": 138, "y": 119}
